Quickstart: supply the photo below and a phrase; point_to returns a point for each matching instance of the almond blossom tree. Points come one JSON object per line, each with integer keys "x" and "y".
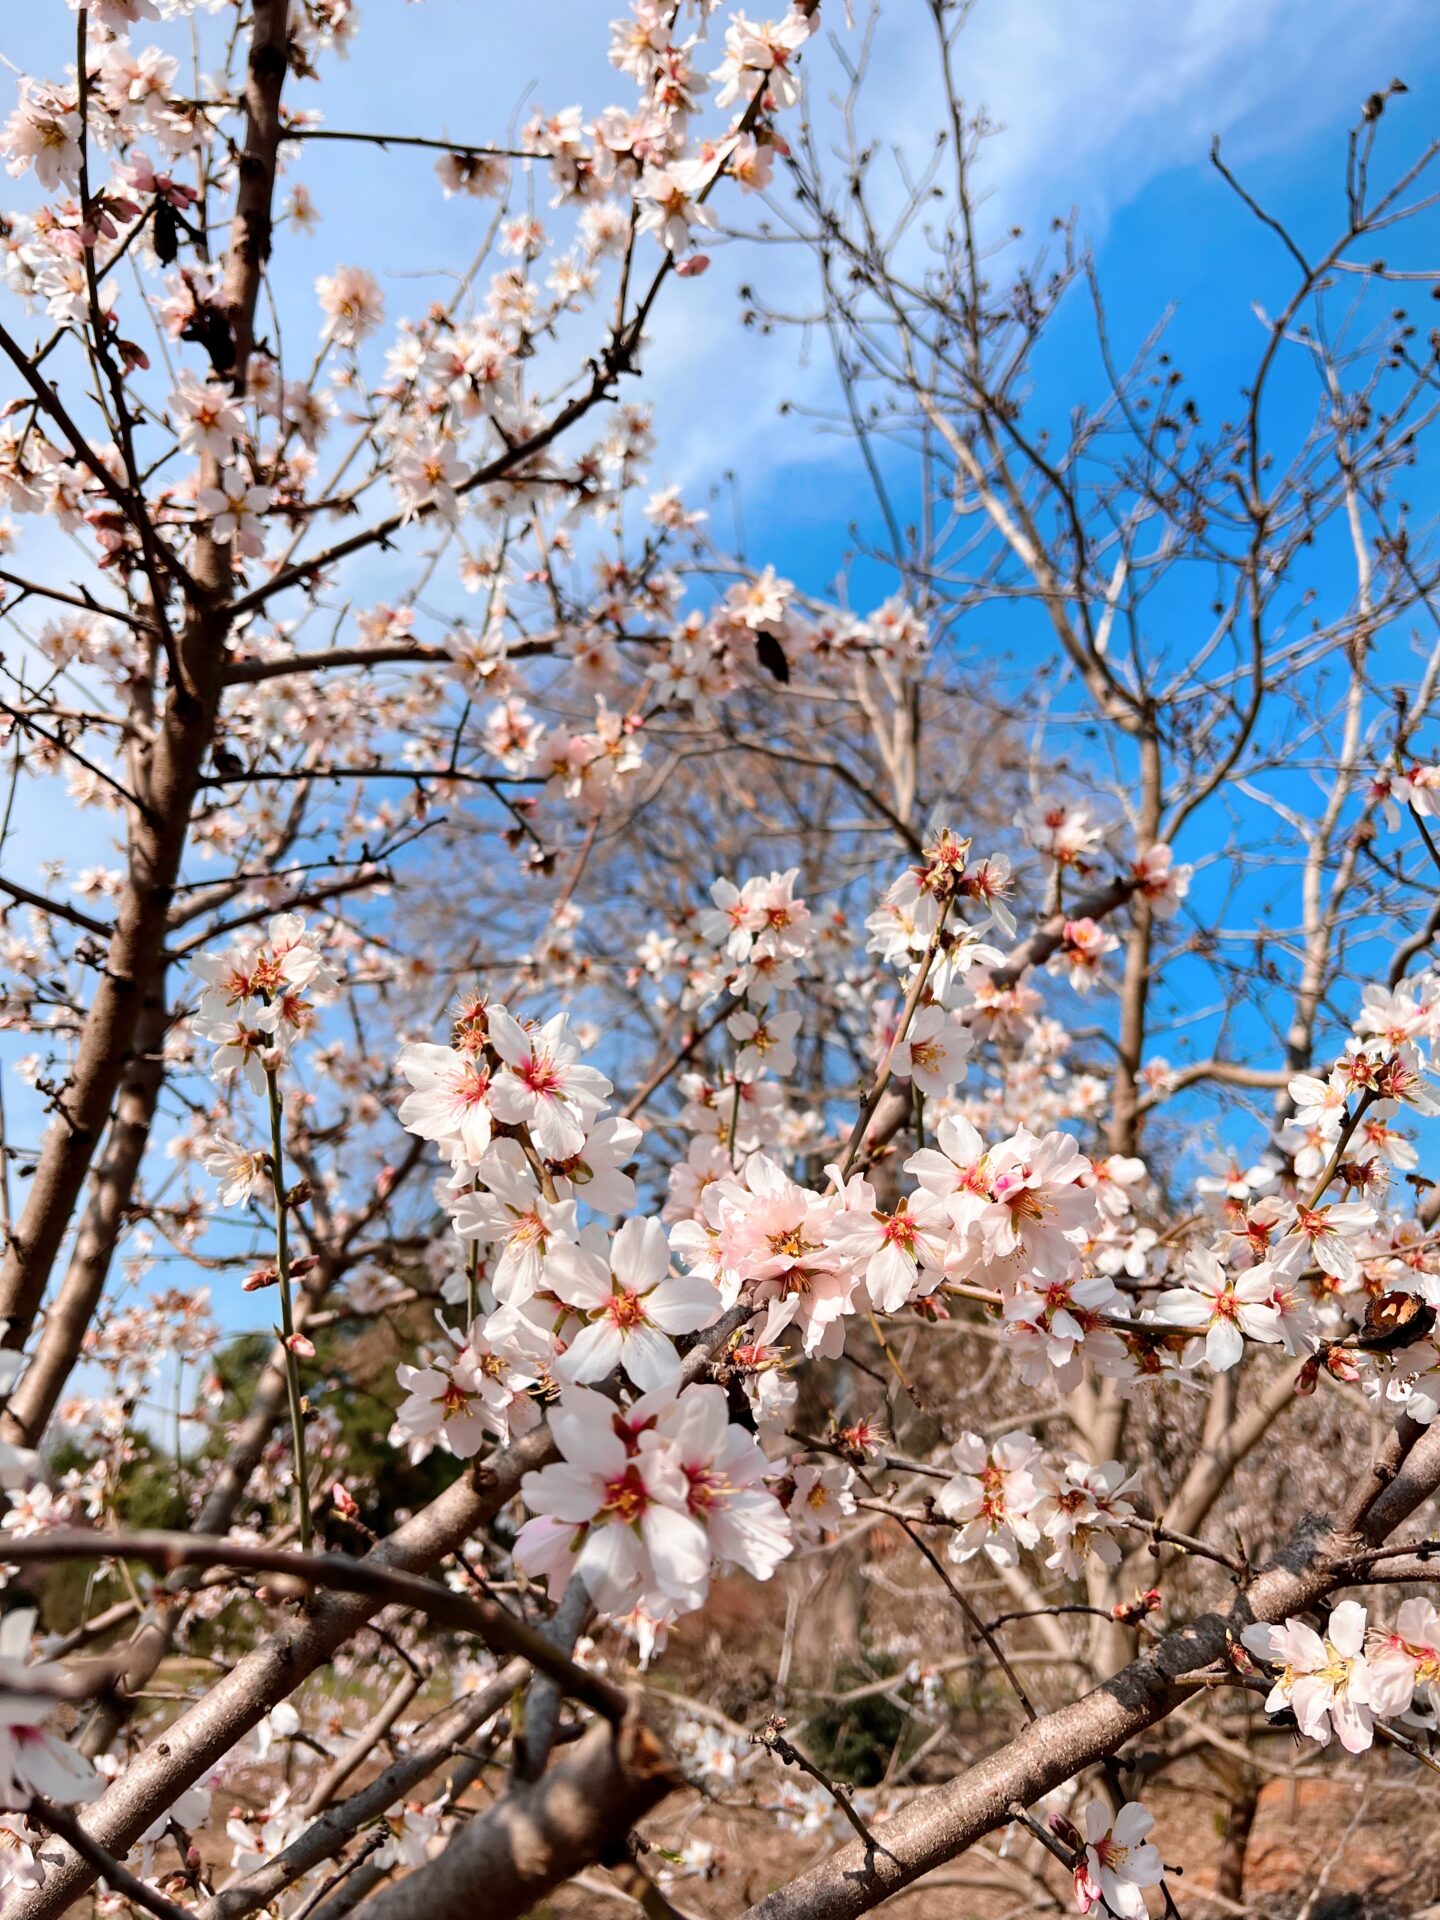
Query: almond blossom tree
{"x": 572, "y": 1133}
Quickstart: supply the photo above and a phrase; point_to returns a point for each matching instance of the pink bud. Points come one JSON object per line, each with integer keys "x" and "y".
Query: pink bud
{"x": 297, "y": 1343}
{"x": 693, "y": 266}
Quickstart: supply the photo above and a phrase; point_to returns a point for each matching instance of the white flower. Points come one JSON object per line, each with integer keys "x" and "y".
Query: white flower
{"x": 451, "y": 1101}
{"x": 1407, "y": 1661}
{"x": 631, "y": 1304}
{"x": 1118, "y": 1861}
{"x": 235, "y": 507}
{"x": 208, "y": 417}
{"x": 1327, "y": 1232}
{"x": 765, "y": 1041}
{"x": 1226, "y": 1306}
{"x": 440, "y": 1405}
{"x": 935, "y": 1051}
{"x": 612, "y": 1513}
{"x": 1325, "y": 1681}
{"x": 992, "y": 1497}
{"x": 822, "y": 1499}
{"x": 351, "y": 300}
{"x": 889, "y": 1250}
{"x": 32, "y": 1759}
{"x": 1038, "y": 1202}
{"x": 724, "y": 1472}
{"x": 541, "y": 1085}
{"x": 241, "y": 1171}
{"x": 512, "y": 1212}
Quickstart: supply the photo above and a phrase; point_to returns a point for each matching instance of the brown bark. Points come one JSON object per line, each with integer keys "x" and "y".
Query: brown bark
{"x": 530, "y": 1842}
{"x": 168, "y": 784}
{"x": 273, "y": 1670}
{"x": 325, "y": 1835}
{"x": 69, "y": 1315}
{"x": 937, "y": 1826}
{"x": 305, "y": 1641}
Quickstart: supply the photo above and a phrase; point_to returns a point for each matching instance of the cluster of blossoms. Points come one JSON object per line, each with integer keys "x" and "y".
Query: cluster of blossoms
{"x": 1295, "y": 1266}
{"x": 1012, "y": 1495}
{"x": 649, "y": 1500}
{"x": 259, "y": 998}
{"x": 1344, "y": 1678}
{"x": 557, "y": 1303}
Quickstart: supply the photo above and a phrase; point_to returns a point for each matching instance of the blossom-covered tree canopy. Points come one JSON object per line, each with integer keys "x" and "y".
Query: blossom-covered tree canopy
{"x": 671, "y": 1237}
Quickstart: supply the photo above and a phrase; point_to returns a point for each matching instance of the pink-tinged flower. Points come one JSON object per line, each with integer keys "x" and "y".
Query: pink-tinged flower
{"x": 1083, "y": 946}
{"x": 1064, "y": 833}
{"x": 242, "y": 1172}
{"x": 511, "y": 1212}
{"x": 43, "y": 132}
{"x": 1295, "y": 1319}
{"x": 1402, "y": 1078}
{"x": 992, "y": 1497}
{"x": 1047, "y": 1324}
{"x": 1417, "y": 787}
{"x": 631, "y": 1305}
{"x": 32, "y": 1759}
{"x": 597, "y": 1174}
{"x": 1160, "y": 881}
{"x": 440, "y": 1407}
{"x": 934, "y": 1052}
{"x": 897, "y": 1255}
{"x": 541, "y": 1085}
{"x": 1376, "y": 1140}
{"x": 352, "y": 303}
{"x": 957, "y": 1171}
{"x": 1396, "y": 1014}
{"x": 821, "y": 1499}
{"x": 241, "y": 1045}
{"x": 763, "y": 912}
{"x": 484, "y": 1390}
{"x": 451, "y": 1100}
{"x": 1406, "y": 1661}
{"x": 762, "y": 51}
{"x": 504, "y": 1356}
{"x": 724, "y": 1471}
{"x": 771, "y": 1235}
{"x": 1326, "y": 1682}
{"x": 1079, "y": 1511}
{"x": 1326, "y": 1234}
{"x": 1319, "y": 1103}
{"x": 1038, "y": 1202}
{"x": 1225, "y": 1306}
{"x": 1112, "y": 1179}
{"x": 987, "y": 883}
{"x": 668, "y": 204}
{"x": 614, "y": 1515}
{"x": 287, "y": 961}
{"x": 234, "y": 509}
{"x": 1231, "y": 1181}
{"x": 732, "y": 922}
{"x": 208, "y": 417}
{"x": 1417, "y": 1388}
{"x": 1119, "y": 1861}
{"x": 765, "y": 1042}
{"x": 425, "y": 474}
